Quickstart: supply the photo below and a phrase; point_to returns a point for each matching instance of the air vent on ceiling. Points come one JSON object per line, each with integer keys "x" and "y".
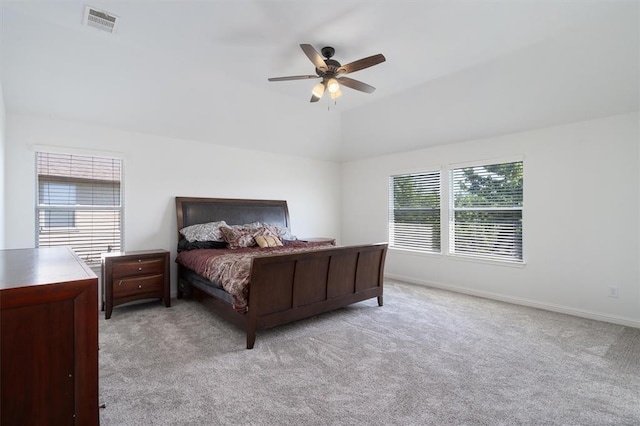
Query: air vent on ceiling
{"x": 100, "y": 19}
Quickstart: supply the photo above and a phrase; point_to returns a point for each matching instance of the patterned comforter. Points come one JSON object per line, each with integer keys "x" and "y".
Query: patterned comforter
{"x": 232, "y": 268}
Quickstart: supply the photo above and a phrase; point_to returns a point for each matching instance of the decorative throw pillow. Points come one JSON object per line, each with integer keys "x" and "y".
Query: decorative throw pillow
{"x": 238, "y": 236}
{"x": 267, "y": 241}
{"x": 204, "y": 231}
{"x": 268, "y": 229}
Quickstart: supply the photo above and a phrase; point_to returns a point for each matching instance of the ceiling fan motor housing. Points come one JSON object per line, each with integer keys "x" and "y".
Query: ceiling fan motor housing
{"x": 332, "y": 68}
{"x": 328, "y": 51}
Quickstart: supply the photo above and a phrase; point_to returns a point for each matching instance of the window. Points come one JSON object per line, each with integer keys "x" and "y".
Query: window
{"x": 414, "y": 212}
{"x": 486, "y": 211}
{"x": 54, "y": 193}
{"x": 79, "y": 204}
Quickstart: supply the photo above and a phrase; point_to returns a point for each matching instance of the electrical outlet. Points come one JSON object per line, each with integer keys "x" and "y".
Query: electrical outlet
{"x": 613, "y": 291}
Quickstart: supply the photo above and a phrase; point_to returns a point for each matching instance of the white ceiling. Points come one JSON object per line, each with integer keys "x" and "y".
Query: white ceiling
{"x": 195, "y": 69}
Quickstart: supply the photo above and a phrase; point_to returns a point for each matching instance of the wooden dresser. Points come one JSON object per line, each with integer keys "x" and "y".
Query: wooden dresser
{"x": 48, "y": 338}
{"x": 134, "y": 275}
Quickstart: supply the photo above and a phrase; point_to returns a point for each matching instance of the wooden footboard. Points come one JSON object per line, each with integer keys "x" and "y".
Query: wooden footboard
{"x": 290, "y": 287}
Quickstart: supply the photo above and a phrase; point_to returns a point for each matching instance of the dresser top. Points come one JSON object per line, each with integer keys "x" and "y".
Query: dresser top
{"x": 41, "y": 266}
{"x": 134, "y": 253}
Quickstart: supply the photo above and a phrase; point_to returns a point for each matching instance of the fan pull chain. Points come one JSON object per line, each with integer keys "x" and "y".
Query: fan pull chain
{"x": 335, "y": 103}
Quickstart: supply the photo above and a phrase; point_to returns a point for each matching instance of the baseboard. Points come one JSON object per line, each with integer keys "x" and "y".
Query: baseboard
{"x": 629, "y": 322}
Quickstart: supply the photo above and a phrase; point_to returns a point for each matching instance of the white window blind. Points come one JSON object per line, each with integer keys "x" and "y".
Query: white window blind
{"x": 414, "y": 212}
{"x": 79, "y": 204}
{"x": 486, "y": 211}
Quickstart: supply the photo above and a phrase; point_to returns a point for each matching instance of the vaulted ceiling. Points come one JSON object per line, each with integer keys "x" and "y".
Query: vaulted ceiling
{"x": 455, "y": 70}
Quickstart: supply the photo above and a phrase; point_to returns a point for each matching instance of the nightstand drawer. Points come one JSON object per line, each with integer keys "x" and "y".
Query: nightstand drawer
{"x": 138, "y": 285}
{"x": 138, "y": 267}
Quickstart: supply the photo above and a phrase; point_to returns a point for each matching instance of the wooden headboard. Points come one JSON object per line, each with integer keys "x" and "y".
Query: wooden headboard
{"x": 191, "y": 211}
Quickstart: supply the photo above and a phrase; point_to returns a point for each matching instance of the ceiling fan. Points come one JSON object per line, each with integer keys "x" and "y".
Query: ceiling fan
{"x": 332, "y": 73}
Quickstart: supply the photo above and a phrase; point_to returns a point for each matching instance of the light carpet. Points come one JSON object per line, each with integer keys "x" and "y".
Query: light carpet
{"x": 427, "y": 357}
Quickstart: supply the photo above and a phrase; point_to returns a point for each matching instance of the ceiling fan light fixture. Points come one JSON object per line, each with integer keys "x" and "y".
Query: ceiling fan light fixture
{"x": 318, "y": 90}
{"x": 333, "y": 85}
{"x": 336, "y": 94}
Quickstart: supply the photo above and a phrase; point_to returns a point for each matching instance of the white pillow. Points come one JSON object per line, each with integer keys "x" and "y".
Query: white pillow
{"x": 204, "y": 231}
{"x": 285, "y": 234}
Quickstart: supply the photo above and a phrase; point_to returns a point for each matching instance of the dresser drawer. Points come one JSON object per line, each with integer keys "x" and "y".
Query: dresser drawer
{"x": 124, "y": 287}
{"x": 138, "y": 267}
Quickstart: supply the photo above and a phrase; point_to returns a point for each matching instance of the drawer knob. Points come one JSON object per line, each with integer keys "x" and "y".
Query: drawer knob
{"x": 140, "y": 286}
{"x": 140, "y": 268}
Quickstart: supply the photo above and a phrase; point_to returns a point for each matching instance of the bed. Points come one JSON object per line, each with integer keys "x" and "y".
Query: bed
{"x": 282, "y": 287}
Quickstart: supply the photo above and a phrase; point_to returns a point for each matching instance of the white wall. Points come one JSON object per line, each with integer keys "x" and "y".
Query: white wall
{"x": 157, "y": 169}
{"x": 581, "y": 210}
{"x": 2, "y": 168}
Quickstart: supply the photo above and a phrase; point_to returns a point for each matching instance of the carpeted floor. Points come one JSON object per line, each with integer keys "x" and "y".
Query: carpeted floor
{"x": 427, "y": 357}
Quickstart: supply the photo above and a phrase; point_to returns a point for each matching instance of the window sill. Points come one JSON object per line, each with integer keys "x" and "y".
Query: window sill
{"x": 495, "y": 262}
{"x": 415, "y": 252}
{"x": 459, "y": 258}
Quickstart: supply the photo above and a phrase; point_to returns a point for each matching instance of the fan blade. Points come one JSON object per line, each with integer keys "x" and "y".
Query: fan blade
{"x": 361, "y": 64}
{"x": 314, "y": 56}
{"x": 314, "y": 98}
{"x": 293, "y": 77}
{"x": 355, "y": 84}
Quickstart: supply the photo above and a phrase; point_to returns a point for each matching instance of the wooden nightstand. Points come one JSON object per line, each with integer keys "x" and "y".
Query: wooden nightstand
{"x": 134, "y": 275}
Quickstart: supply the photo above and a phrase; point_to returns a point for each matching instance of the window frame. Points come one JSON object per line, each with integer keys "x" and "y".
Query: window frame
{"x": 94, "y": 260}
{"x": 451, "y": 168}
{"x": 391, "y": 210}
{"x": 447, "y": 214}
